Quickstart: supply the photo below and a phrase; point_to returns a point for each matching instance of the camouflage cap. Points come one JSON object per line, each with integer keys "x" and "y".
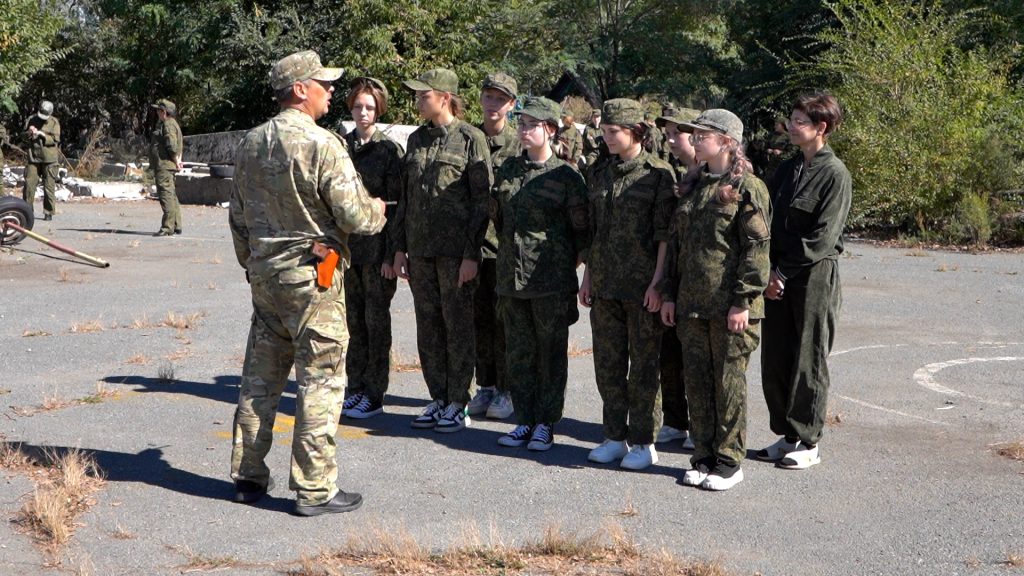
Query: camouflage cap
{"x": 718, "y": 120}
{"x": 595, "y": 112}
{"x": 677, "y": 116}
{"x": 541, "y": 108}
{"x": 45, "y": 110}
{"x": 440, "y": 79}
{"x": 300, "y": 67}
{"x": 503, "y": 82}
{"x": 622, "y": 111}
{"x": 376, "y": 84}
{"x": 166, "y": 106}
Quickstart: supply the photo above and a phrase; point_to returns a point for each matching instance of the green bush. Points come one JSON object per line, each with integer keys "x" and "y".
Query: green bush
{"x": 970, "y": 223}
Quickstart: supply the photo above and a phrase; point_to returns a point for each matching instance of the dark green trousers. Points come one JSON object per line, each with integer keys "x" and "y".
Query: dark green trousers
{"x": 49, "y": 173}
{"x": 368, "y": 311}
{"x": 673, "y": 392}
{"x": 444, "y": 326}
{"x": 798, "y": 331}
{"x": 490, "y": 335}
{"x": 627, "y": 343}
{"x": 537, "y": 330}
{"x": 168, "y": 201}
{"x": 715, "y": 371}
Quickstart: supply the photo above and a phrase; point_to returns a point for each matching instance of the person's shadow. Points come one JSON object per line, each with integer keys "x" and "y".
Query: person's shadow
{"x": 108, "y": 231}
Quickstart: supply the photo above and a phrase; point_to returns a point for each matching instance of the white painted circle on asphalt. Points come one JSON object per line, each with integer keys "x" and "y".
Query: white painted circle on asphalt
{"x": 924, "y": 376}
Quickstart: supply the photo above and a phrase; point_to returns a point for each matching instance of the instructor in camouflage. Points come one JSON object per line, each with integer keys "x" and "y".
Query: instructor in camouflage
{"x": 295, "y": 185}
{"x": 165, "y": 146}
{"x": 42, "y": 132}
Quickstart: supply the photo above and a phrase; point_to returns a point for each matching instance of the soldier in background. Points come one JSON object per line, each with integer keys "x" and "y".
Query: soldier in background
{"x": 497, "y": 99}
{"x": 165, "y": 146}
{"x": 656, "y": 139}
{"x": 571, "y": 139}
{"x": 42, "y": 132}
{"x": 593, "y": 144}
{"x": 295, "y": 191}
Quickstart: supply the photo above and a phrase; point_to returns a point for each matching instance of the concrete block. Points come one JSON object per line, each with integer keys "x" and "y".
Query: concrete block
{"x": 215, "y": 148}
{"x": 201, "y": 189}
{"x": 113, "y": 169}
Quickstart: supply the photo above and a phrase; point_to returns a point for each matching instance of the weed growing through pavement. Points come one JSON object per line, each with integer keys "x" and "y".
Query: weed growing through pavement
{"x": 576, "y": 349}
{"x": 1014, "y": 559}
{"x": 165, "y": 374}
{"x": 942, "y": 268}
{"x": 1011, "y": 450}
{"x": 54, "y": 402}
{"x": 85, "y": 326}
{"x": 65, "y": 274}
{"x": 101, "y": 395}
{"x": 629, "y": 510}
{"x": 916, "y": 253}
{"x": 121, "y": 533}
{"x": 399, "y": 363}
{"x": 133, "y": 244}
{"x": 215, "y": 261}
{"x": 34, "y": 334}
{"x": 138, "y": 359}
{"x": 833, "y": 417}
{"x": 973, "y": 562}
{"x": 211, "y": 286}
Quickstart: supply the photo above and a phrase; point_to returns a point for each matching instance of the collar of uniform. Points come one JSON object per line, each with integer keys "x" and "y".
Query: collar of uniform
{"x": 441, "y": 131}
{"x": 530, "y": 165}
{"x": 709, "y": 176}
{"x": 356, "y": 145}
{"x": 820, "y": 158}
{"x": 501, "y": 138}
{"x": 630, "y": 165}
{"x": 298, "y": 115}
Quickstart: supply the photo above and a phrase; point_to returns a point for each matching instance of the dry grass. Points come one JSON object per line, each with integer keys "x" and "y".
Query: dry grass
{"x": 399, "y": 363}
{"x": 120, "y": 533}
{"x": 576, "y": 349}
{"x": 34, "y": 334}
{"x": 629, "y": 509}
{"x": 833, "y": 417}
{"x": 133, "y": 244}
{"x": 942, "y": 268}
{"x": 1014, "y": 559}
{"x": 973, "y": 562}
{"x": 86, "y": 326}
{"x": 138, "y": 359}
{"x": 54, "y": 402}
{"x": 211, "y": 286}
{"x": 215, "y": 261}
{"x": 916, "y": 253}
{"x": 165, "y": 374}
{"x": 65, "y": 274}
{"x": 182, "y": 322}
{"x": 1011, "y": 450}
{"x": 101, "y": 395}
{"x": 178, "y": 354}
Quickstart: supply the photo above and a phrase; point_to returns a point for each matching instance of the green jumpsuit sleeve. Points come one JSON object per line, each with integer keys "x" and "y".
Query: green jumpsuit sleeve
{"x": 823, "y": 236}
{"x": 392, "y": 193}
{"x": 236, "y": 221}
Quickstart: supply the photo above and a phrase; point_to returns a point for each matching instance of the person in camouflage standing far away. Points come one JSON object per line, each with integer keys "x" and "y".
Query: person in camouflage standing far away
{"x": 673, "y": 392}
{"x": 539, "y": 206}
{"x": 631, "y": 204}
{"x": 715, "y": 273}
{"x": 442, "y": 220}
{"x": 42, "y": 132}
{"x": 294, "y": 187}
{"x": 593, "y": 142}
{"x": 497, "y": 99}
{"x": 657, "y": 138}
{"x": 370, "y": 282}
{"x": 571, "y": 138}
{"x": 165, "y": 146}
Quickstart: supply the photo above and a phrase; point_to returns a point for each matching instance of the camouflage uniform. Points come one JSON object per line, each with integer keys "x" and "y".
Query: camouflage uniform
{"x": 540, "y": 210}
{"x": 490, "y": 334}
{"x": 593, "y": 144}
{"x": 368, "y": 294}
{"x": 811, "y": 204}
{"x": 294, "y": 184}
{"x": 446, "y": 175}
{"x": 631, "y": 205}
{"x": 717, "y": 259}
{"x": 573, "y": 140}
{"x": 165, "y": 147}
{"x": 43, "y": 154}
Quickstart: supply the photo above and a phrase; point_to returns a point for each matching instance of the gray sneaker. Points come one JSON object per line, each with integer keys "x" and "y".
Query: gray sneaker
{"x": 501, "y": 406}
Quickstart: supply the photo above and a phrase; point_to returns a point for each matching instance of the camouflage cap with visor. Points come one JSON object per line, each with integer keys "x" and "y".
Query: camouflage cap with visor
{"x": 300, "y": 67}
{"x": 717, "y": 120}
{"x": 45, "y": 110}
{"x": 677, "y": 116}
{"x": 503, "y": 82}
{"x": 166, "y": 106}
{"x": 368, "y": 80}
{"x": 540, "y": 108}
{"x": 440, "y": 79}
{"x": 622, "y": 111}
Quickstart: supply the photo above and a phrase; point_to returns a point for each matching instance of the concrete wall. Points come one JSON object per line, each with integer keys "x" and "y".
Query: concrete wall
{"x": 202, "y": 189}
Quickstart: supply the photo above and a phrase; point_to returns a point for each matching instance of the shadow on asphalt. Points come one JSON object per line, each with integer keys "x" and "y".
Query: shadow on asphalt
{"x": 60, "y": 257}
{"x": 109, "y": 231}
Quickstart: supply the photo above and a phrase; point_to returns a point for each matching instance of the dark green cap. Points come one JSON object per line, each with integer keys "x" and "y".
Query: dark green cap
{"x": 622, "y": 111}
{"x": 677, "y": 116}
{"x": 376, "y": 83}
{"x": 541, "y": 108}
{"x": 440, "y": 79}
{"x": 166, "y": 106}
{"x": 45, "y": 110}
{"x": 718, "y": 120}
{"x": 300, "y": 67}
{"x": 503, "y": 82}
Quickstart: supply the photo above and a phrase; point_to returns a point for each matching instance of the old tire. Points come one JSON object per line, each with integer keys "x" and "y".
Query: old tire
{"x": 16, "y": 211}
{"x": 222, "y": 170}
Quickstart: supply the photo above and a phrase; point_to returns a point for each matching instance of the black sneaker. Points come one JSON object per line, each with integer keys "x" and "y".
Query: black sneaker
{"x": 431, "y": 414}
{"x": 723, "y": 476}
{"x": 517, "y": 437}
{"x": 177, "y": 230}
{"x": 47, "y": 217}
{"x": 342, "y": 502}
{"x": 164, "y": 233}
{"x": 365, "y": 409}
{"x": 247, "y": 491}
{"x": 542, "y": 439}
{"x": 351, "y": 402}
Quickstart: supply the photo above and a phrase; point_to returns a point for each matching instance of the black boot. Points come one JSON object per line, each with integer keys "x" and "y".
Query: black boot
{"x": 343, "y": 502}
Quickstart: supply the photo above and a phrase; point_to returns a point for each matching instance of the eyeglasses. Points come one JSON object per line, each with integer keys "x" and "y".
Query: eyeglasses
{"x": 798, "y": 122}
{"x": 698, "y": 138}
{"x": 529, "y": 126}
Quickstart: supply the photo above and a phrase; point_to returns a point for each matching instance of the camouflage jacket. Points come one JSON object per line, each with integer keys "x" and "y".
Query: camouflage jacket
{"x": 659, "y": 144}
{"x": 810, "y": 205}
{"x": 541, "y": 214}
{"x": 503, "y": 146}
{"x": 446, "y": 182}
{"x": 574, "y": 139}
{"x": 43, "y": 149}
{"x": 631, "y": 205}
{"x": 593, "y": 142}
{"x": 379, "y": 165}
{"x": 165, "y": 145}
{"x": 718, "y": 254}
{"x": 294, "y": 184}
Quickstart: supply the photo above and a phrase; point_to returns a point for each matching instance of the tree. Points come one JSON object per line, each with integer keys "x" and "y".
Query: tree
{"x": 27, "y": 31}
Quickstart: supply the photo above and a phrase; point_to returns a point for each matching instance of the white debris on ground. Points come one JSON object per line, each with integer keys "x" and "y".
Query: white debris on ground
{"x": 71, "y": 187}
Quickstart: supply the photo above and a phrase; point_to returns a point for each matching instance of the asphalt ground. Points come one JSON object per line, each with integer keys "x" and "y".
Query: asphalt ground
{"x": 926, "y": 376}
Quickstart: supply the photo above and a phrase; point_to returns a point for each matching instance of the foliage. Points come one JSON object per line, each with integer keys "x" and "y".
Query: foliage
{"x": 27, "y": 30}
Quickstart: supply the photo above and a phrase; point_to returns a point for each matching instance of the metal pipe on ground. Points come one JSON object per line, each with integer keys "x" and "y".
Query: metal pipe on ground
{"x": 81, "y": 255}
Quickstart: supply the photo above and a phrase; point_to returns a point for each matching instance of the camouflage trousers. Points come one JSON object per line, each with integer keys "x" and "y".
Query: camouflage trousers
{"x": 490, "y": 335}
{"x": 627, "y": 343}
{"x": 715, "y": 372}
{"x": 798, "y": 335}
{"x": 673, "y": 392}
{"x": 368, "y": 309}
{"x": 537, "y": 330}
{"x": 49, "y": 173}
{"x": 168, "y": 201}
{"x": 444, "y": 327}
{"x": 293, "y": 321}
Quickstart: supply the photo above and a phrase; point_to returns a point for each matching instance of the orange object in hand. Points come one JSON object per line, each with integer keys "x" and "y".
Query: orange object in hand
{"x": 327, "y": 265}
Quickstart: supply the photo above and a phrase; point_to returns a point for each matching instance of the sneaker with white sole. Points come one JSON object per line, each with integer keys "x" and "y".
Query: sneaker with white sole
{"x": 365, "y": 409}
{"x": 777, "y": 451}
{"x": 640, "y": 456}
{"x": 688, "y": 443}
{"x": 481, "y": 400}
{"x": 453, "y": 419}
{"x": 515, "y": 438}
{"x": 501, "y": 406}
{"x": 609, "y": 451}
{"x": 543, "y": 438}
{"x": 722, "y": 477}
{"x": 800, "y": 459}
{"x": 695, "y": 476}
{"x": 668, "y": 434}
{"x": 351, "y": 402}
{"x": 431, "y": 414}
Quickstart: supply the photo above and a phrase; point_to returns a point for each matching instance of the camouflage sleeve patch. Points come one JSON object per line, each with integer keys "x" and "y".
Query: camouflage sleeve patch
{"x": 493, "y": 209}
{"x": 580, "y": 217}
{"x": 754, "y": 222}
{"x": 479, "y": 176}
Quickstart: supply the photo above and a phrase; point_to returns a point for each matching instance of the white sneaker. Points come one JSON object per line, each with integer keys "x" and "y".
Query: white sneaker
{"x": 515, "y": 438}
{"x": 501, "y": 406}
{"x": 481, "y": 400}
{"x": 688, "y": 443}
{"x": 801, "y": 458}
{"x": 430, "y": 415}
{"x": 777, "y": 451}
{"x": 723, "y": 477}
{"x": 543, "y": 438}
{"x": 609, "y": 451}
{"x": 640, "y": 456}
{"x": 351, "y": 402}
{"x": 365, "y": 409}
{"x": 668, "y": 434}
{"x": 695, "y": 476}
{"x": 453, "y": 419}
